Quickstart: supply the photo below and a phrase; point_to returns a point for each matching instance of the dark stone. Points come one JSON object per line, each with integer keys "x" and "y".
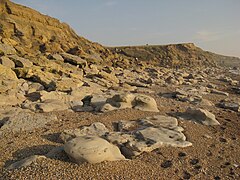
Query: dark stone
{"x": 186, "y": 175}
{"x": 223, "y": 140}
{"x": 194, "y": 161}
{"x": 182, "y": 154}
{"x": 217, "y": 178}
{"x": 166, "y": 164}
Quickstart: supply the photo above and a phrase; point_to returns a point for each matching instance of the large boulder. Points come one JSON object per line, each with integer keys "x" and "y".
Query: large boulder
{"x": 92, "y": 149}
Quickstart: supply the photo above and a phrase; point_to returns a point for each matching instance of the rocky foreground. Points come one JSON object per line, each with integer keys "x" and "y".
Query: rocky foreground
{"x": 73, "y": 109}
{"x": 159, "y": 124}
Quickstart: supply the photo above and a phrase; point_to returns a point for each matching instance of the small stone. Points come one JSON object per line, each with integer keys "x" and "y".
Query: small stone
{"x": 166, "y": 164}
{"x": 194, "y": 161}
{"x": 217, "y": 178}
{"x": 182, "y": 154}
{"x": 223, "y": 140}
{"x": 186, "y": 175}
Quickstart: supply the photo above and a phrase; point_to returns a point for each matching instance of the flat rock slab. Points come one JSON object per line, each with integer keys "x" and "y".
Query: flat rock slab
{"x": 26, "y": 121}
{"x": 25, "y": 162}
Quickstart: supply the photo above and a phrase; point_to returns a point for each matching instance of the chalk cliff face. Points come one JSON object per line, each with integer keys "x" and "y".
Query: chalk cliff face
{"x": 30, "y": 32}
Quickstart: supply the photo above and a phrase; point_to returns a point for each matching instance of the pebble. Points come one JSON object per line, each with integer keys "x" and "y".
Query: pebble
{"x": 166, "y": 164}
{"x": 186, "y": 175}
{"x": 194, "y": 161}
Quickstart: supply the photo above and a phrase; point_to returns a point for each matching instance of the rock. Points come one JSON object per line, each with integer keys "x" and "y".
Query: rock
{"x": 68, "y": 84}
{"x": 122, "y": 101}
{"x": 230, "y": 104}
{"x": 26, "y": 121}
{"x": 33, "y": 87}
{"x": 95, "y": 129}
{"x": 36, "y": 74}
{"x": 210, "y": 85}
{"x": 145, "y": 135}
{"x": 201, "y": 116}
{"x": 20, "y": 62}
{"x": 5, "y": 61}
{"x": 167, "y": 164}
{"x": 236, "y": 90}
{"x": 215, "y": 91}
{"x": 6, "y": 49}
{"x": 108, "y": 76}
{"x": 91, "y": 149}
{"x": 56, "y": 57}
{"x": 25, "y": 162}
{"x": 7, "y": 74}
{"x": 137, "y": 84}
{"x": 162, "y": 121}
{"x": 145, "y": 103}
{"x": 75, "y": 60}
{"x": 12, "y": 98}
{"x": 50, "y": 105}
{"x": 156, "y": 137}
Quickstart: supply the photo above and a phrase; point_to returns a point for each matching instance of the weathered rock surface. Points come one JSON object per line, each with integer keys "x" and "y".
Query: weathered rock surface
{"x": 201, "y": 116}
{"x": 137, "y": 136}
{"x": 25, "y": 162}
{"x": 145, "y": 135}
{"x": 135, "y": 101}
{"x": 92, "y": 149}
{"x": 230, "y": 104}
{"x": 5, "y": 61}
{"x": 26, "y": 121}
{"x": 95, "y": 129}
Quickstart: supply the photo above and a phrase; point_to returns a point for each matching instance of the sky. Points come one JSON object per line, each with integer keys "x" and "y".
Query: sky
{"x": 213, "y": 25}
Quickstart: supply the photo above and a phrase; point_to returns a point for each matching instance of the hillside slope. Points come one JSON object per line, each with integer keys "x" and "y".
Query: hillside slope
{"x": 30, "y": 32}
{"x": 173, "y": 55}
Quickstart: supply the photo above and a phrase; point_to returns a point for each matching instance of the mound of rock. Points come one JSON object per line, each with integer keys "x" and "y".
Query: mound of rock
{"x": 92, "y": 149}
{"x": 135, "y": 137}
{"x": 138, "y": 101}
{"x": 200, "y": 116}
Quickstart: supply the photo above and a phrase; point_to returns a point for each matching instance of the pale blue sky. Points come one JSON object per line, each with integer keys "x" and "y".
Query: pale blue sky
{"x": 213, "y": 25}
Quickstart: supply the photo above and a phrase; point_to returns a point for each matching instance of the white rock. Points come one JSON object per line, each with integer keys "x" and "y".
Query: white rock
{"x": 92, "y": 149}
{"x": 201, "y": 116}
